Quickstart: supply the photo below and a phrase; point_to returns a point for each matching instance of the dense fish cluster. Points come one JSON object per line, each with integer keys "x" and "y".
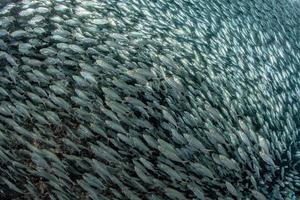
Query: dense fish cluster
{"x": 149, "y": 100}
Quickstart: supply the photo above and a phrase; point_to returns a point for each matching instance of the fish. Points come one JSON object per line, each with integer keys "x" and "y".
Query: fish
{"x": 145, "y": 99}
{"x": 231, "y": 189}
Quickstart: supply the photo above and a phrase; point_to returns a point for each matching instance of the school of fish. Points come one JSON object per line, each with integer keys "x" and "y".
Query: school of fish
{"x": 150, "y": 100}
